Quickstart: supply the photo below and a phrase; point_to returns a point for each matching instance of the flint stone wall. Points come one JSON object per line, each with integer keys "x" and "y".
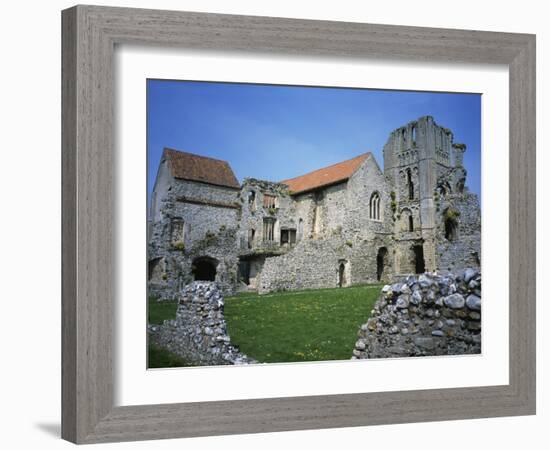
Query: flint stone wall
{"x": 314, "y": 264}
{"x": 424, "y": 316}
{"x": 347, "y": 235}
{"x": 198, "y": 334}
{"x": 465, "y": 250}
{"x": 210, "y": 230}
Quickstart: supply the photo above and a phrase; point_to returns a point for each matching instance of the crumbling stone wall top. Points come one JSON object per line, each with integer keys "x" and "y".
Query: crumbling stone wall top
{"x": 198, "y": 334}
{"x": 424, "y": 316}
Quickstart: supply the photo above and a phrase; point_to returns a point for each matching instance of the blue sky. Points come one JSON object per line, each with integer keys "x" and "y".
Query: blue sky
{"x": 277, "y": 132}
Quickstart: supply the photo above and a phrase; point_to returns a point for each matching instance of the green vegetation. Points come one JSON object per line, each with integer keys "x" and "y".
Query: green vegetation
{"x": 178, "y": 246}
{"x": 160, "y": 358}
{"x": 310, "y": 325}
{"x": 160, "y": 311}
{"x": 451, "y": 215}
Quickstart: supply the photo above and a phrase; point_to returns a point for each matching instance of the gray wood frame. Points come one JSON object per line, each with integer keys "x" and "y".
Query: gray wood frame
{"x": 89, "y": 36}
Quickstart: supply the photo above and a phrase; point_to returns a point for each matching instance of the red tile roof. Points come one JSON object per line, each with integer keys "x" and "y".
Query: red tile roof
{"x": 326, "y": 176}
{"x": 189, "y": 166}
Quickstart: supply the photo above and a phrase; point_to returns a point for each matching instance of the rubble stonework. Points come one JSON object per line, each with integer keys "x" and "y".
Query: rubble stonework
{"x": 198, "y": 334}
{"x": 341, "y": 225}
{"x": 424, "y": 316}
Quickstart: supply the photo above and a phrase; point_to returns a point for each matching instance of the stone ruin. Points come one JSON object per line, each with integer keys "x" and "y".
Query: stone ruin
{"x": 198, "y": 334}
{"x": 354, "y": 222}
{"x": 426, "y": 315}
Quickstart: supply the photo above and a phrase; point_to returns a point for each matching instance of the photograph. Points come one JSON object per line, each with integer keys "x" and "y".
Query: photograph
{"x": 296, "y": 224}
{"x": 264, "y": 224}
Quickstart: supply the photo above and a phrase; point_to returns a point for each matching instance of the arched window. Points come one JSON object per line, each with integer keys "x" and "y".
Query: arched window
{"x": 410, "y": 184}
{"x": 374, "y": 206}
{"x": 252, "y": 200}
{"x": 450, "y": 224}
{"x": 450, "y": 229}
{"x": 407, "y": 221}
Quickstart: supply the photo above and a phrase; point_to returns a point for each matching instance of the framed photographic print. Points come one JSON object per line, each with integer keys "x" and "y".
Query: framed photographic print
{"x": 255, "y": 209}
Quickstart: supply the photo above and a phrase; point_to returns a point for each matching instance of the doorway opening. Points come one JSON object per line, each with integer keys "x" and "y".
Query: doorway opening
{"x": 419, "y": 265}
{"x": 204, "y": 269}
{"x": 344, "y": 273}
{"x": 381, "y": 262}
{"x": 341, "y": 274}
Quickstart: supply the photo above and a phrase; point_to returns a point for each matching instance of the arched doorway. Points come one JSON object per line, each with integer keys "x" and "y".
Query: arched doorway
{"x": 381, "y": 262}
{"x": 450, "y": 224}
{"x": 344, "y": 273}
{"x": 204, "y": 269}
{"x": 341, "y": 274}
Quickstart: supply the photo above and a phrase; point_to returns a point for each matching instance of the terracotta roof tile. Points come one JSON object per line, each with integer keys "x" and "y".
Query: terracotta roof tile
{"x": 326, "y": 176}
{"x": 189, "y": 166}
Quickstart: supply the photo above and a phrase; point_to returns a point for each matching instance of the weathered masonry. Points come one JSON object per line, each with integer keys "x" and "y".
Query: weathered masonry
{"x": 345, "y": 224}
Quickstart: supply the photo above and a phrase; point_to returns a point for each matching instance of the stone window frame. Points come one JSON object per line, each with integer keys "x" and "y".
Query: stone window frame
{"x": 406, "y": 214}
{"x": 268, "y": 229}
{"x": 251, "y": 199}
{"x": 375, "y": 206}
{"x": 270, "y": 201}
{"x": 291, "y": 236}
{"x": 410, "y": 188}
{"x": 177, "y": 223}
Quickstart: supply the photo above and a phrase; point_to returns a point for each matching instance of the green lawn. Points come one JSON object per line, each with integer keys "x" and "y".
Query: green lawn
{"x": 309, "y": 325}
{"x": 161, "y": 311}
{"x": 160, "y": 358}
{"x": 312, "y": 325}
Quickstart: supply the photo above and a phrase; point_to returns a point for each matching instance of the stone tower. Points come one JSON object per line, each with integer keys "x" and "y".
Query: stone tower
{"x": 416, "y": 157}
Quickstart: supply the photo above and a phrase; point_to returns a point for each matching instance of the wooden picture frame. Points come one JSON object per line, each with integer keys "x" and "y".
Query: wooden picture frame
{"x": 89, "y": 37}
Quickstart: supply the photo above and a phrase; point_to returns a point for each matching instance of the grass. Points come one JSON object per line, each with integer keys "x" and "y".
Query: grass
{"x": 160, "y": 358}
{"x": 160, "y": 311}
{"x": 309, "y": 325}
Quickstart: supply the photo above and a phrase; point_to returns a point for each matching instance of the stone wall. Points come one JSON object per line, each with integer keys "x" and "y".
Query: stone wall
{"x": 464, "y": 250}
{"x": 254, "y": 212}
{"x": 312, "y": 233}
{"x": 315, "y": 264}
{"x": 367, "y": 180}
{"x": 424, "y": 316}
{"x": 209, "y": 216}
{"x": 312, "y": 264}
{"x": 347, "y": 235}
{"x": 198, "y": 334}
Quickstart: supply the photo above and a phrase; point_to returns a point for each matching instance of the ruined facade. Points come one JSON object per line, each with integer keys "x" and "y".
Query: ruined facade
{"x": 345, "y": 224}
